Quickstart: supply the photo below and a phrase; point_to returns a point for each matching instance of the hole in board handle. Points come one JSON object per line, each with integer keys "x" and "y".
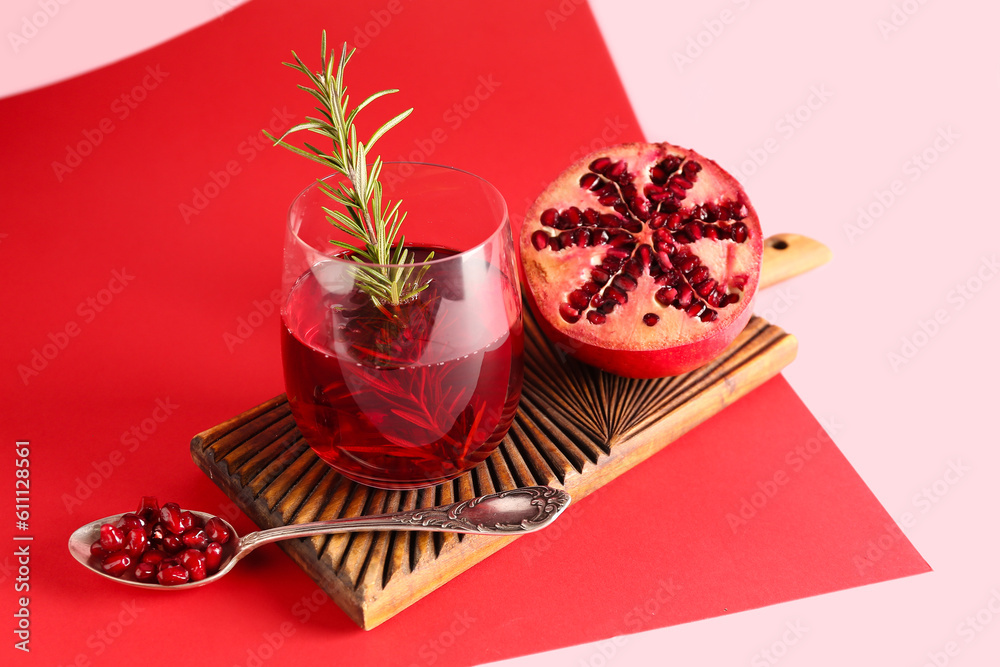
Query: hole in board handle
{"x": 779, "y": 244}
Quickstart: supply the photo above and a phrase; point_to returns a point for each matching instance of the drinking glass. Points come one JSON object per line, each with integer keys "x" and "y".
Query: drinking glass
{"x": 409, "y": 394}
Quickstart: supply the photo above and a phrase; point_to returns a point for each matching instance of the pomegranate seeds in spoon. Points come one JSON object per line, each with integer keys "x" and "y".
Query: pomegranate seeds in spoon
{"x": 642, "y": 259}
{"x": 165, "y": 544}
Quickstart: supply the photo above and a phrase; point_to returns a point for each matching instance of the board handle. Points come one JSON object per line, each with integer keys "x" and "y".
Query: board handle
{"x": 788, "y": 255}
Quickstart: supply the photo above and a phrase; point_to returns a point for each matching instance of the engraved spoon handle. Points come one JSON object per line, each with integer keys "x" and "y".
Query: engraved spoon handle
{"x": 511, "y": 512}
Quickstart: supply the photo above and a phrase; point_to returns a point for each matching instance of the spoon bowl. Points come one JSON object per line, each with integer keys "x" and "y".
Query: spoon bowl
{"x": 512, "y": 512}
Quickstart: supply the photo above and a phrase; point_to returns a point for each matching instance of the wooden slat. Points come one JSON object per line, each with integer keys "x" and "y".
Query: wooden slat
{"x": 577, "y": 428}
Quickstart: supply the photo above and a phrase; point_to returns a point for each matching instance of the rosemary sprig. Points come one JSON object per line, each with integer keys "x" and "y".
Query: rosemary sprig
{"x": 374, "y": 222}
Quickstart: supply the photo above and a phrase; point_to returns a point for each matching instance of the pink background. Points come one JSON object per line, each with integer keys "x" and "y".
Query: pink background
{"x": 880, "y": 96}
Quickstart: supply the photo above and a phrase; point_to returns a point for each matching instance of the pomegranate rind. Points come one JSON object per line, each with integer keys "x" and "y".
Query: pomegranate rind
{"x": 624, "y": 344}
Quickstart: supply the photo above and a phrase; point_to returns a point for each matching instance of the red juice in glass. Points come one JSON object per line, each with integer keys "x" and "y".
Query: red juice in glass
{"x": 400, "y": 396}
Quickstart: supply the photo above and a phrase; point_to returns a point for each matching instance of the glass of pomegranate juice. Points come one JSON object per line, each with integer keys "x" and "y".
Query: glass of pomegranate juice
{"x": 410, "y": 390}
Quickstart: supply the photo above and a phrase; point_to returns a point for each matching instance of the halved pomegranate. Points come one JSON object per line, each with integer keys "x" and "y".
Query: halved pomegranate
{"x": 642, "y": 259}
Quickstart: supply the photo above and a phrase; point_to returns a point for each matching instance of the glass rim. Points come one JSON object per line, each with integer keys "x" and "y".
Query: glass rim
{"x": 504, "y": 218}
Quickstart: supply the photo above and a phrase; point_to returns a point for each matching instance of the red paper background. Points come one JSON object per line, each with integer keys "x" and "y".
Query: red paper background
{"x": 194, "y": 329}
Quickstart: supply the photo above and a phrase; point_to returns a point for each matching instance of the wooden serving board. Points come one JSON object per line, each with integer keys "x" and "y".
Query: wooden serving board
{"x": 577, "y": 428}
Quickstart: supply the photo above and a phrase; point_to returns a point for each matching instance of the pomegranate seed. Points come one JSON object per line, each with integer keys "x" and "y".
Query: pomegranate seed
{"x": 136, "y": 542}
{"x": 650, "y": 319}
{"x": 595, "y": 317}
{"x": 167, "y": 562}
{"x": 153, "y": 557}
{"x": 112, "y": 538}
{"x": 172, "y": 543}
{"x": 130, "y": 521}
{"x": 591, "y": 216}
{"x": 610, "y": 220}
{"x": 634, "y": 267}
{"x": 653, "y": 192}
{"x": 539, "y": 239}
{"x": 681, "y": 237}
{"x": 600, "y": 164}
{"x": 590, "y": 287}
{"x": 574, "y": 216}
{"x": 694, "y": 310}
{"x": 618, "y": 253}
{"x": 676, "y": 190}
{"x": 738, "y": 211}
{"x": 173, "y": 575}
{"x": 666, "y": 295}
{"x": 657, "y": 175}
{"x": 213, "y": 557}
{"x": 693, "y": 230}
{"x": 617, "y": 169}
{"x": 577, "y": 298}
{"x": 608, "y": 200}
{"x": 705, "y": 288}
{"x": 674, "y": 222}
{"x": 616, "y": 294}
{"x": 145, "y": 572}
{"x": 569, "y": 313}
{"x": 683, "y": 183}
{"x": 657, "y": 220}
{"x": 625, "y": 282}
{"x": 149, "y": 509}
{"x": 170, "y": 518}
{"x": 684, "y": 296}
{"x": 714, "y": 299}
{"x": 587, "y": 181}
{"x": 633, "y": 226}
{"x": 565, "y": 239}
{"x": 190, "y": 558}
{"x": 554, "y": 243}
{"x": 116, "y": 563}
{"x": 713, "y": 211}
{"x": 97, "y": 550}
{"x": 730, "y": 299}
{"x": 607, "y": 306}
{"x": 643, "y": 258}
{"x": 195, "y": 538}
{"x": 709, "y": 315}
{"x": 724, "y": 208}
{"x": 691, "y": 167}
{"x": 698, "y": 275}
{"x": 661, "y": 236}
{"x": 549, "y": 217}
{"x": 710, "y": 232}
{"x": 688, "y": 264}
{"x": 739, "y": 232}
{"x": 600, "y": 276}
{"x": 599, "y": 237}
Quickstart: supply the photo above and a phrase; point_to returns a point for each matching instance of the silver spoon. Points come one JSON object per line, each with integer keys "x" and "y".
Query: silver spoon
{"x": 511, "y": 512}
